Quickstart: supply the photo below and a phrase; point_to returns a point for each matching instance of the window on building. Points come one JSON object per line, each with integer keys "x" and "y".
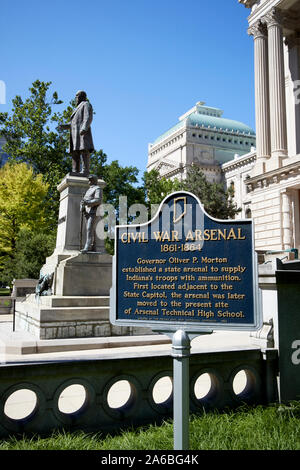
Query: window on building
{"x": 248, "y": 213}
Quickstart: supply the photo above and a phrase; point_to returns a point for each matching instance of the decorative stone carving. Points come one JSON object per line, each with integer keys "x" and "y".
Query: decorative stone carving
{"x": 258, "y": 29}
{"x": 248, "y": 3}
{"x": 274, "y": 17}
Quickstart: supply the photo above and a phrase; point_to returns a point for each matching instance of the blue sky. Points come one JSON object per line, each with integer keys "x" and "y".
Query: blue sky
{"x": 142, "y": 63}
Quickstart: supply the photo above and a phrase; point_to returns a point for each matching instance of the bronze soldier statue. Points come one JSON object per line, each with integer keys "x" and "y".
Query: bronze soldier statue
{"x": 81, "y": 141}
{"x": 89, "y": 204}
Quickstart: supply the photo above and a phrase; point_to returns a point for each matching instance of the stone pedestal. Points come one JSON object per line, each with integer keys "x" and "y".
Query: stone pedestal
{"x": 72, "y": 190}
{"x": 77, "y": 274}
{"x": 84, "y": 274}
{"x": 79, "y": 306}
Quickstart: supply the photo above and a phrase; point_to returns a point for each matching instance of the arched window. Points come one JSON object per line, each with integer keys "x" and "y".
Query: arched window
{"x": 248, "y": 213}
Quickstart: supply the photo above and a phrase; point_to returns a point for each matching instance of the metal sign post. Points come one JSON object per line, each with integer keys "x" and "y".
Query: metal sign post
{"x": 180, "y": 353}
{"x": 181, "y": 348}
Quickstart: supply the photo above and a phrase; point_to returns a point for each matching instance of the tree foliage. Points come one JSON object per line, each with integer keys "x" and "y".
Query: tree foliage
{"x": 29, "y": 255}
{"x": 156, "y": 188}
{"x": 217, "y": 201}
{"x": 31, "y": 137}
{"x": 122, "y": 190}
{"x": 22, "y": 200}
{"x": 120, "y": 181}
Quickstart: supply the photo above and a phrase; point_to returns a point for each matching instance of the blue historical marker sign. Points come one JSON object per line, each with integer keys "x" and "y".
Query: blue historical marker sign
{"x": 185, "y": 269}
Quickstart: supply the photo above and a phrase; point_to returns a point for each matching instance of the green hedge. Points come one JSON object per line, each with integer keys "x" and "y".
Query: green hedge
{"x": 4, "y": 291}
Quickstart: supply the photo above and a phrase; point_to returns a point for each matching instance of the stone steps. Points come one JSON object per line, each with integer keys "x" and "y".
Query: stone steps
{"x": 73, "y": 301}
{"x": 65, "y": 308}
{"x": 74, "y": 313}
{"x": 55, "y": 317}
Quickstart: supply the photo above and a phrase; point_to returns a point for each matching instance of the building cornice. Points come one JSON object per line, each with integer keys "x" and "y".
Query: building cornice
{"x": 173, "y": 172}
{"x": 239, "y": 161}
{"x": 221, "y": 131}
{"x": 160, "y": 162}
{"x": 178, "y": 133}
{"x": 261, "y": 10}
{"x": 182, "y": 168}
{"x": 168, "y": 139}
{"x": 273, "y": 177}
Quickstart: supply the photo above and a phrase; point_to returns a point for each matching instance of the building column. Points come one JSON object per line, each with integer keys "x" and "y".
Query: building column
{"x": 262, "y": 110}
{"x": 293, "y": 103}
{"x": 287, "y": 226}
{"x": 277, "y": 90}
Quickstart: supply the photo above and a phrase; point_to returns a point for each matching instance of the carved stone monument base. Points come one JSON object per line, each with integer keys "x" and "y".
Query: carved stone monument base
{"x": 79, "y": 306}
{"x": 61, "y": 317}
{"x": 84, "y": 275}
{"x": 55, "y": 317}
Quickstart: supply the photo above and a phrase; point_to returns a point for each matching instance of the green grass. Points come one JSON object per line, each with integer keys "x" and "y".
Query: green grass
{"x": 248, "y": 428}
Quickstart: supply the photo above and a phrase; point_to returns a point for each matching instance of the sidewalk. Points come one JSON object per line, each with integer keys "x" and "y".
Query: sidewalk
{"x": 217, "y": 341}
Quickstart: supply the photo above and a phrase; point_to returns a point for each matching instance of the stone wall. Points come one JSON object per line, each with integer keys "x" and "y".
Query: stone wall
{"x": 142, "y": 373}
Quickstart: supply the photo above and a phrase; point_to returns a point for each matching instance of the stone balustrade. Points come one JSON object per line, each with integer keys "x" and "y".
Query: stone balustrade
{"x": 143, "y": 402}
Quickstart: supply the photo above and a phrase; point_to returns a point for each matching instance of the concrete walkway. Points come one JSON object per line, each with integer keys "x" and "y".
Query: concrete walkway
{"x": 115, "y": 346}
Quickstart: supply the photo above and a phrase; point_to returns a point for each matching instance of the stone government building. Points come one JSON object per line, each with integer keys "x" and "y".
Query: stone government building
{"x": 264, "y": 168}
{"x": 201, "y": 136}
